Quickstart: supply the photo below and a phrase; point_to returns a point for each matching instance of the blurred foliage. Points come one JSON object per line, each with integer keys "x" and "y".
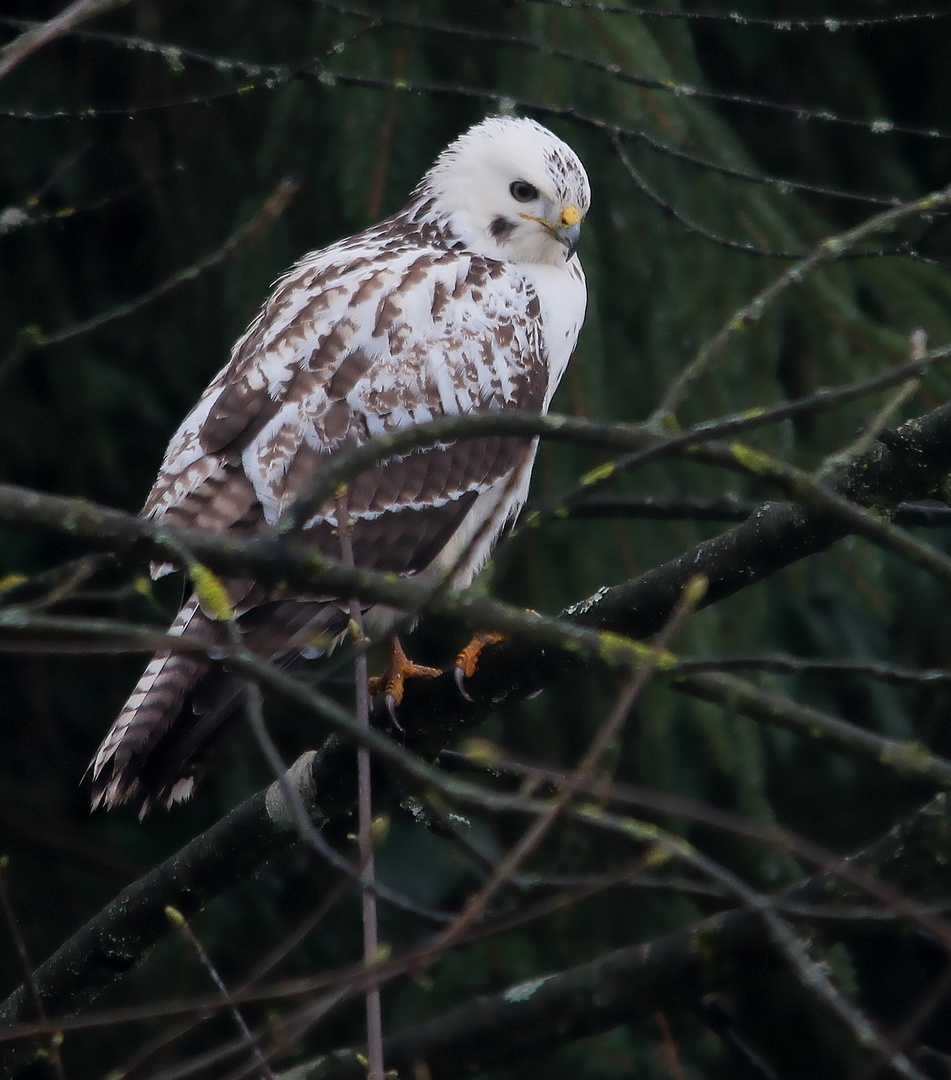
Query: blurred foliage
{"x": 171, "y": 159}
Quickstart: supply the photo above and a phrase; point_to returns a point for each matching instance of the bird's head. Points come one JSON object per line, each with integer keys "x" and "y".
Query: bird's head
{"x": 512, "y": 190}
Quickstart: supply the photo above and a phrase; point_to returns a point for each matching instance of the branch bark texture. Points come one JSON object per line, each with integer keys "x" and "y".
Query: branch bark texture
{"x": 122, "y": 934}
{"x": 672, "y": 972}
{"x": 911, "y": 462}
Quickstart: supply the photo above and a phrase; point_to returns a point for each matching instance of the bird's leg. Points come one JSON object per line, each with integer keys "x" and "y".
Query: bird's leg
{"x": 398, "y": 670}
{"x": 468, "y": 660}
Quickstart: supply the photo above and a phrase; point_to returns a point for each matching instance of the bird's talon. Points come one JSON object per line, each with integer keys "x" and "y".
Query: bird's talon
{"x": 393, "y": 682}
{"x": 391, "y": 704}
{"x": 468, "y": 660}
{"x": 460, "y": 676}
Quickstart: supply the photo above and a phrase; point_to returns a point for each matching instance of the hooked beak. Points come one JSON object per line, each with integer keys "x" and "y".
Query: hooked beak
{"x": 568, "y": 230}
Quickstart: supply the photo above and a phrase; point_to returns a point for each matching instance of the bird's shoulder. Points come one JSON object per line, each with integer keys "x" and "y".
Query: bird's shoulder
{"x": 384, "y": 329}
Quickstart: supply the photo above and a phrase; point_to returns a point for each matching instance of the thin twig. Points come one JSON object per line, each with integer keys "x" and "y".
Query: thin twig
{"x": 56, "y": 1037}
{"x": 37, "y": 36}
{"x": 530, "y": 839}
{"x": 178, "y": 920}
{"x": 813, "y": 975}
{"x": 827, "y": 251}
{"x": 271, "y": 209}
{"x": 254, "y": 704}
{"x": 371, "y": 942}
{"x": 723, "y": 508}
{"x": 910, "y": 758}
{"x": 287, "y": 946}
{"x": 735, "y": 825}
{"x": 882, "y": 418}
{"x": 880, "y": 670}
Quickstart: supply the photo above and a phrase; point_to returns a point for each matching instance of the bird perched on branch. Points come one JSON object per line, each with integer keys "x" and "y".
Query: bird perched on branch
{"x": 469, "y": 299}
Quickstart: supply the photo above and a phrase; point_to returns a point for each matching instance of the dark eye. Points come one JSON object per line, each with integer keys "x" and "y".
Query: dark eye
{"x": 523, "y": 191}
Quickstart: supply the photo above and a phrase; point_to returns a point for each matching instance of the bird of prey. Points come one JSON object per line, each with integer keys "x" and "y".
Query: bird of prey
{"x": 468, "y": 300}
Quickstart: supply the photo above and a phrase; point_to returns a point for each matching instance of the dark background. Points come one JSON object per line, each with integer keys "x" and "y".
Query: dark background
{"x": 168, "y": 142}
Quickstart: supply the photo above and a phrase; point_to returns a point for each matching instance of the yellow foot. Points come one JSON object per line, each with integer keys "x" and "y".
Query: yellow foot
{"x": 398, "y": 670}
{"x": 468, "y": 660}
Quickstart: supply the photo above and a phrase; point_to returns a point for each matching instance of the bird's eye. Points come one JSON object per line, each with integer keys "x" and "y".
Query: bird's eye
{"x": 523, "y": 191}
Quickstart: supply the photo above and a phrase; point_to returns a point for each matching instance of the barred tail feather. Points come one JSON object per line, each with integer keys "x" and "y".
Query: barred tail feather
{"x": 154, "y": 750}
{"x": 146, "y": 718}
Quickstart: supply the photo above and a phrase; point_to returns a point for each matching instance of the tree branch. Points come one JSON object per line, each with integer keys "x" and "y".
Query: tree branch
{"x": 672, "y": 972}
{"x": 30, "y": 40}
{"x": 911, "y": 462}
{"x": 722, "y": 508}
{"x": 120, "y": 935}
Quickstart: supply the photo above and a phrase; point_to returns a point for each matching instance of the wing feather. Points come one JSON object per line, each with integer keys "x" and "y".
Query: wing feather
{"x": 366, "y": 337}
{"x": 295, "y": 392}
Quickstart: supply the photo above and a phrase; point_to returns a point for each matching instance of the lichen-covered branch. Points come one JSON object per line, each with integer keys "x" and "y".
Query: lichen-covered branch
{"x": 121, "y": 935}
{"x": 672, "y": 972}
{"x": 911, "y": 462}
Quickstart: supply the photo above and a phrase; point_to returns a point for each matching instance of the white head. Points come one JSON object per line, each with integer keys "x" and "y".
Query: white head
{"x": 511, "y": 190}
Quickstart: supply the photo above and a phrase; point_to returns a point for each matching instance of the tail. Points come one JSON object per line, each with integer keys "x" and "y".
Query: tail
{"x": 154, "y": 750}
{"x": 146, "y": 719}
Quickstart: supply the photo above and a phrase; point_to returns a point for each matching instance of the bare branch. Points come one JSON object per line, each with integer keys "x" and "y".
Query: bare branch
{"x": 671, "y": 972}
{"x": 30, "y": 40}
{"x": 122, "y": 933}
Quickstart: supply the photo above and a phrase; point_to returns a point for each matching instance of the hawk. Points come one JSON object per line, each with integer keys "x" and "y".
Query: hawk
{"x": 469, "y": 299}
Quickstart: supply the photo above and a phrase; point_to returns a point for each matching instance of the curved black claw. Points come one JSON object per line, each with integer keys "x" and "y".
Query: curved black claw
{"x": 468, "y": 660}
{"x": 393, "y": 682}
{"x": 459, "y": 674}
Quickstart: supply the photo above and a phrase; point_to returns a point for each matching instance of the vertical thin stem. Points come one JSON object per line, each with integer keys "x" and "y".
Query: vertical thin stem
{"x": 178, "y": 920}
{"x": 365, "y": 812}
{"x": 576, "y": 780}
{"x": 37, "y": 36}
{"x": 52, "y": 1047}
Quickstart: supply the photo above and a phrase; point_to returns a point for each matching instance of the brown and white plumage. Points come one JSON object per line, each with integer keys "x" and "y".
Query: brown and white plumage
{"x": 469, "y": 299}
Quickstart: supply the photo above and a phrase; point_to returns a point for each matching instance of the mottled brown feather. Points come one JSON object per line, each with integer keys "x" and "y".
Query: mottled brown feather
{"x": 399, "y": 323}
